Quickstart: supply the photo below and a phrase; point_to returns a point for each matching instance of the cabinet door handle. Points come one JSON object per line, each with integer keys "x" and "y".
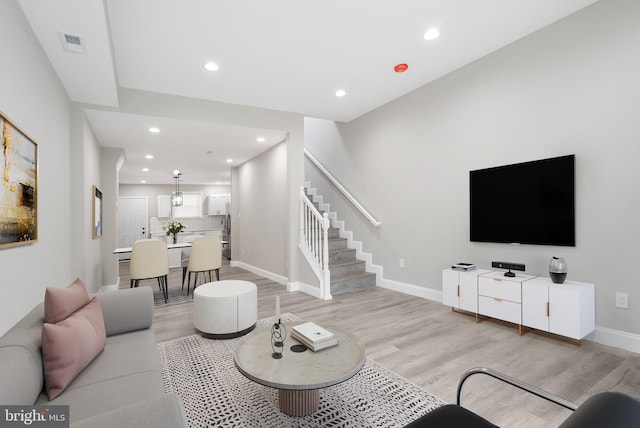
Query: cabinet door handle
{"x": 548, "y": 311}
{"x": 497, "y": 279}
{"x": 458, "y": 290}
{"x": 497, "y": 300}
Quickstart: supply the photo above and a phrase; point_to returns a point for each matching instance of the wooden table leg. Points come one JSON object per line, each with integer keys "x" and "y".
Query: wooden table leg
{"x": 298, "y": 402}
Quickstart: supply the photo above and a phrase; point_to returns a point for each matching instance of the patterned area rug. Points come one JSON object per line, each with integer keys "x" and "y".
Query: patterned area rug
{"x": 177, "y": 296}
{"x": 214, "y": 393}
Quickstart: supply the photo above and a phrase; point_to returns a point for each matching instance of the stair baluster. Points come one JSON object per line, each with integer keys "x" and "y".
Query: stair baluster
{"x": 314, "y": 241}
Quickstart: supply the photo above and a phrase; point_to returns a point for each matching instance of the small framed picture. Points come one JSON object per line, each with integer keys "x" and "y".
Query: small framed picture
{"x": 96, "y": 197}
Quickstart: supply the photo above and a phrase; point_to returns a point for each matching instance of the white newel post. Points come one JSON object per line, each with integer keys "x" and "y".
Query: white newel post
{"x": 326, "y": 291}
{"x": 302, "y": 221}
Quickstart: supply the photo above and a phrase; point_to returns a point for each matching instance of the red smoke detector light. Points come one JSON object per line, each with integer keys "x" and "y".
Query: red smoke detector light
{"x": 400, "y": 68}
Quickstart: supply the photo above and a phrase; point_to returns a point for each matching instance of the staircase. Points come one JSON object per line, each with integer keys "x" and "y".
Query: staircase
{"x": 348, "y": 274}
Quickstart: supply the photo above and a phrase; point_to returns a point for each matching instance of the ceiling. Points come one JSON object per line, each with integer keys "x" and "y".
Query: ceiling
{"x": 286, "y": 55}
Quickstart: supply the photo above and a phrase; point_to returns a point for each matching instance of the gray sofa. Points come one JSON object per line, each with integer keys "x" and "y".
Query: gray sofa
{"x": 122, "y": 386}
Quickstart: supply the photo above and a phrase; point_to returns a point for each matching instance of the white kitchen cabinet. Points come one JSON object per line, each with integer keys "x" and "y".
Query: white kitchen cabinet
{"x": 217, "y": 204}
{"x": 460, "y": 289}
{"x": 164, "y": 206}
{"x": 191, "y": 206}
{"x": 566, "y": 309}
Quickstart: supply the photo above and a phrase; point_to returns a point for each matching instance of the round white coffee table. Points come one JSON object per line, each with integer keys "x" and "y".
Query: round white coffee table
{"x": 299, "y": 376}
{"x": 225, "y": 309}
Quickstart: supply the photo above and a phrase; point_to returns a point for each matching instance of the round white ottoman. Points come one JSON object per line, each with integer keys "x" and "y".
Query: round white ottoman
{"x": 225, "y": 309}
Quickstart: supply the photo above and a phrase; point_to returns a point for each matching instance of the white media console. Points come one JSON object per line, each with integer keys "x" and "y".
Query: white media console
{"x": 529, "y": 302}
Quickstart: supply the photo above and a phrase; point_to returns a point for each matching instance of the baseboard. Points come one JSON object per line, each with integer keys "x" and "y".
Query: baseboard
{"x": 264, "y": 273}
{"x": 413, "y": 290}
{"x": 307, "y": 289}
{"x": 110, "y": 287}
{"x": 616, "y": 338}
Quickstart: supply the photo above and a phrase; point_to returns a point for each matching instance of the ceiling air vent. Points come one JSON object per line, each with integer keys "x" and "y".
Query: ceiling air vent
{"x": 73, "y": 43}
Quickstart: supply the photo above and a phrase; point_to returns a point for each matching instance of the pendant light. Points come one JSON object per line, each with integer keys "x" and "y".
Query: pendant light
{"x": 176, "y": 197}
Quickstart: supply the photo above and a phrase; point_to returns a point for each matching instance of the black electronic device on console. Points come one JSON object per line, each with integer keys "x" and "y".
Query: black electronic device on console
{"x": 508, "y": 266}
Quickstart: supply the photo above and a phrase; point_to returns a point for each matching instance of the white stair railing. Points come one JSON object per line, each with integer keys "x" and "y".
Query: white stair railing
{"x": 314, "y": 242}
{"x": 375, "y": 222}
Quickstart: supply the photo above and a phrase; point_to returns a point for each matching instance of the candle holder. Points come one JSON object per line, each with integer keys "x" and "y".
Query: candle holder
{"x": 278, "y": 335}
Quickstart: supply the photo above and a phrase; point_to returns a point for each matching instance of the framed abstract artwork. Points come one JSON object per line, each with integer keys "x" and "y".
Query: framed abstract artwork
{"x": 19, "y": 187}
{"x": 96, "y": 197}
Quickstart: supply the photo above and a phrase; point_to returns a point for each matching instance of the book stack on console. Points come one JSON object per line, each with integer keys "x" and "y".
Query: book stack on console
{"x": 313, "y": 336}
{"x": 464, "y": 267}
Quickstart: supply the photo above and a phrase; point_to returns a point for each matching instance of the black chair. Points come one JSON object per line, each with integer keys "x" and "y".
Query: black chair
{"x": 604, "y": 410}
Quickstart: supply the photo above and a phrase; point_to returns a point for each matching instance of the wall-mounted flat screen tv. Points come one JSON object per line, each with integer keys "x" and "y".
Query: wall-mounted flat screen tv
{"x": 524, "y": 203}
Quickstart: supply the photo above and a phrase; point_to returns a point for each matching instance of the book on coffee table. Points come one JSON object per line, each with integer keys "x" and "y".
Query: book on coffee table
{"x": 312, "y": 332}
{"x": 318, "y": 346}
{"x": 313, "y": 336}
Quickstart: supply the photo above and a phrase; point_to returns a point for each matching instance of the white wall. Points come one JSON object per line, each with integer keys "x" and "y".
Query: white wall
{"x": 33, "y": 98}
{"x": 111, "y": 160}
{"x": 570, "y": 88}
{"x": 85, "y": 173}
{"x": 261, "y": 240}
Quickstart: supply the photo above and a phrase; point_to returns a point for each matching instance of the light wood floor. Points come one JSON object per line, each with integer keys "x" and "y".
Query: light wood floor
{"x": 431, "y": 346}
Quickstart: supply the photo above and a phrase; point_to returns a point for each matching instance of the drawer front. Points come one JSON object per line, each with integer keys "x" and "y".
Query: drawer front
{"x": 505, "y": 290}
{"x": 500, "y": 309}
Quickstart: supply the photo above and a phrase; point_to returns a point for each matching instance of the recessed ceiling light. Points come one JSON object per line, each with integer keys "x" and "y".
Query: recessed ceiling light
{"x": 431, "y": 34}
{"x": 340, "y": 93}
{"x": 145, "y": 169}
{"x": 154, "y": 130}
{"x": 149, "y": 156}
{"x": 261, "y": 139}
{"x": 212, "y": 66}
{"x": 229, "y": 160}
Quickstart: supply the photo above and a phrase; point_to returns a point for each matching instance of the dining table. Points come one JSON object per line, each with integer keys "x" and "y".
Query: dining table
{"x": 123, "y": 250}
{"x": 174, "y": 252}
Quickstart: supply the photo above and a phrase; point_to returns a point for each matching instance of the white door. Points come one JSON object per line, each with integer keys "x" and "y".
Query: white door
{"x": 132, "y": 221}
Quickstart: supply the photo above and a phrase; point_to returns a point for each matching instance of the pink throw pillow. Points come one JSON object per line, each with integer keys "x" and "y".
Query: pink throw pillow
{"x": 70, "y": 345}
{"x": 59, "y": 303}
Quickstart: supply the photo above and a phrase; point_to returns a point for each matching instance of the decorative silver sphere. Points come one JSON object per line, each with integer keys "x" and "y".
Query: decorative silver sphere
{"x": 558, "y": 270}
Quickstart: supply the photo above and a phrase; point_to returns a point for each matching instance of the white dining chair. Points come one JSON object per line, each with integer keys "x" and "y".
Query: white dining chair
{"x": 185, "y": 254}
{"x": 150, "y": 259}
{"x": 206, "y": 256}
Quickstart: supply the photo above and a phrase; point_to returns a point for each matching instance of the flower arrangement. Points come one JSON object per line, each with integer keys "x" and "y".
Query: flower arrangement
{"x": 173, "y": 228}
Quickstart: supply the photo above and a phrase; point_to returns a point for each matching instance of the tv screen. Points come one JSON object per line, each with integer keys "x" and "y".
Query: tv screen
{"x": 524, "y": 203}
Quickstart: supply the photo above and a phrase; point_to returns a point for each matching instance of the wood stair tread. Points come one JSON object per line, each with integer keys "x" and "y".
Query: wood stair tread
{"x": 341, "y": 250}
{"x": 347, "y": 263}
{"x": 339, "y": 278}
